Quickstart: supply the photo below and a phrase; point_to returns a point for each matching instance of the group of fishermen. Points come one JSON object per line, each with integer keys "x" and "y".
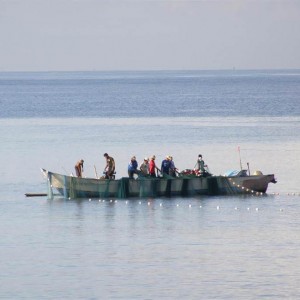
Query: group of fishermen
{"x": 147, "y": 169}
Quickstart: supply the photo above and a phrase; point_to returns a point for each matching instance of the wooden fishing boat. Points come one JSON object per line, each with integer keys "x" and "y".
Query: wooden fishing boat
{"x": 184, "y": 185}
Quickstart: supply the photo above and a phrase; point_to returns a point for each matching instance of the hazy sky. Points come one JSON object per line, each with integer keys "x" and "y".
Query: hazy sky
{"x": 149, "y": 34}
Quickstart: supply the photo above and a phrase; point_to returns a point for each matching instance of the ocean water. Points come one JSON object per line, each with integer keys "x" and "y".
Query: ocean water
{"x": 241, "y": 247}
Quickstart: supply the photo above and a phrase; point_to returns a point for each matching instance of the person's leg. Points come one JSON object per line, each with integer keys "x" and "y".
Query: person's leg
{"x": 77, "y": 172}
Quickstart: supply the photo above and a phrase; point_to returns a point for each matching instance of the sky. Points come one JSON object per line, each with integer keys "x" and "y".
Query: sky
{"x": 88, "y": 35}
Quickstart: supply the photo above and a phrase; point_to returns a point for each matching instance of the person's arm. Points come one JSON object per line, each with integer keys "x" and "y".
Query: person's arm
{"x": 157, "y": 168}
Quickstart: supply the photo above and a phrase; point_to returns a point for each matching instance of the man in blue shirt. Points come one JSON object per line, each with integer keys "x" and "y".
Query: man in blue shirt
{"x": 132, "y": 167}
{"x": 165, "y": 166}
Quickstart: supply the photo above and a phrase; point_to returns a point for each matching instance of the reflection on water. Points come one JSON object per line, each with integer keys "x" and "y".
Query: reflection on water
{"x": 236, "y": 247}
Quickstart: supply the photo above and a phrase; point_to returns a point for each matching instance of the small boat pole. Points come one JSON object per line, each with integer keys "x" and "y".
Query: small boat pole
{"x": 248, "y": 168}
{"x": 35, "y": 194}
{"x": 239, "y": 150}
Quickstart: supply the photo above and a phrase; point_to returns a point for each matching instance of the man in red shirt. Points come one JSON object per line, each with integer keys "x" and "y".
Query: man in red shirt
{"x": 152, "y": 167}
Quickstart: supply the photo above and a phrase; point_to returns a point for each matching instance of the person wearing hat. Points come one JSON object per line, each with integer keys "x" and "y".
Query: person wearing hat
{"x": 144, "y": 167}
{"x": 79, "y": 168}
{"x": 132, "y": 167}
{"x": 110, "y": 167}
{"x": 165, "y": 166}
{"x": 153, "y": 167}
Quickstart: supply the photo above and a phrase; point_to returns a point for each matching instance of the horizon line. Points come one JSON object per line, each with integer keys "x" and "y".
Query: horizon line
{"x": 148, "y": 70}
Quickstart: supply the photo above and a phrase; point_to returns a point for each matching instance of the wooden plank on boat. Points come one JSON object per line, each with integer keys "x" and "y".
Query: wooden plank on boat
{"x": 35, "y": 194}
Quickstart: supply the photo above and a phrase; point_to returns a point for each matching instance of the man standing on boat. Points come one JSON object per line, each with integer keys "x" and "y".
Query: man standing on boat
{"x": 132, "y": 167}
{"x": 144, "y": 167}
{"x": 165, "y": 166}
{"x": 200, "y": 166}
{"x": 173, "y": 169}
{"x": 110, "y": 167}
{"x": 153, "y": 167}
{"x": 79, "y": 168}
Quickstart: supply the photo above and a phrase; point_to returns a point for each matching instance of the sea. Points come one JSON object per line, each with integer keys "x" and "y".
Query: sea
{"x": 204, "y": 247}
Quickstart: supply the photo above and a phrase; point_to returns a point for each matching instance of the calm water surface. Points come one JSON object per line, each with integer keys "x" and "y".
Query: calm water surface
{"x": 195, "y": 248}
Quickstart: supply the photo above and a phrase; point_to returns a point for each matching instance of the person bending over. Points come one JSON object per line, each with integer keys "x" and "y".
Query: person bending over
{"x": 79, "y": 168}
{"x": 110, "y": 167}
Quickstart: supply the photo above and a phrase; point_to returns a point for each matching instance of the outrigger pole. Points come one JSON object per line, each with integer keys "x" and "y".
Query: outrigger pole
{"x": 96, "y": 174}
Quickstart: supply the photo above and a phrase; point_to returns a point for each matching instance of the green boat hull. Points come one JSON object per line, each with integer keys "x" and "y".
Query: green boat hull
{"x": 74, "y": 187}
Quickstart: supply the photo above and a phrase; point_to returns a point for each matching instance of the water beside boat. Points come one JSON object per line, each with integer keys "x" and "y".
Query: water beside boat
{"x": 205, "y": 247}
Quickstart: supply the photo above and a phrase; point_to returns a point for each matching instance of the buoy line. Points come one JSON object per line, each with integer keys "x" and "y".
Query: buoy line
{"x": 189, "y": 205}
{"x": 252, "y": 193}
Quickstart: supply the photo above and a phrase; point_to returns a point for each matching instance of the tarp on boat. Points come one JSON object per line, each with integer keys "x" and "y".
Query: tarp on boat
{"x": 233, "y": 173}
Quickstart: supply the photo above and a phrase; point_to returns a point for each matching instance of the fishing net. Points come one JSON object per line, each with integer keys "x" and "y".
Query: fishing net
{"x": 74, "y": 187}
{"x": 123, "y": 189}
{"x": 227, "y": 188}
{"x": 212, "y": 185}
{"x": 143, "y": 187}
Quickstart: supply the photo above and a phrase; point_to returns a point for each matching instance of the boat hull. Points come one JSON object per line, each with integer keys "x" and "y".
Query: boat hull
{"x": 73, "y": 187}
